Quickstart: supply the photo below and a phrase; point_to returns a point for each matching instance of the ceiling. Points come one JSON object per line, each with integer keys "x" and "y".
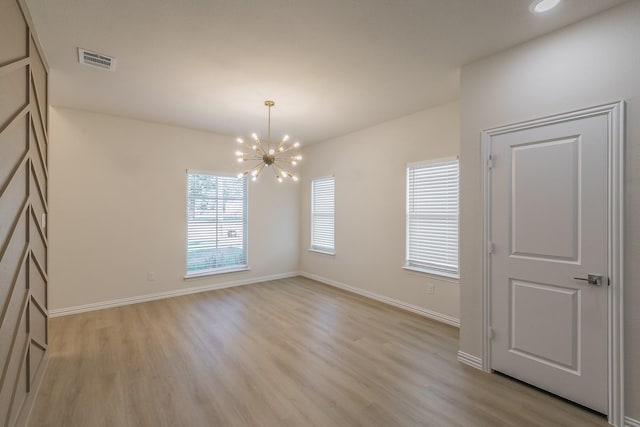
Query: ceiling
{"x": 332, "y": 66}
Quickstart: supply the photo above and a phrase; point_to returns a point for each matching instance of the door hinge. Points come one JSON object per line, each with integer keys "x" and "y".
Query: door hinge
{"x": 490, "y": 332}
{"x": 491, "y": 248}
{"x": 491, "y": 161}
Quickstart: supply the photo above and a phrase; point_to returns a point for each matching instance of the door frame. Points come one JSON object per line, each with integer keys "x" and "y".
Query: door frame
{"x": 615, "y": 113}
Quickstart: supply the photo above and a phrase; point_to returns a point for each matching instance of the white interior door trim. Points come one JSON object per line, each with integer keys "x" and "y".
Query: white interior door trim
{"x": 615, "y": 113}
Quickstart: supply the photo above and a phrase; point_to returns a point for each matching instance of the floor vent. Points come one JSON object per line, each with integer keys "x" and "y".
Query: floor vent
{"x": 95, "y": 59}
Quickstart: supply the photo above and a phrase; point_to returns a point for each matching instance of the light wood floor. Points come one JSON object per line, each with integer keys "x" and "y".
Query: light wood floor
{"x": 290, "y": 352}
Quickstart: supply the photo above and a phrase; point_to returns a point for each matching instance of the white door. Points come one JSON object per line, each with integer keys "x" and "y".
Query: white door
{"x": 548, "y": 229}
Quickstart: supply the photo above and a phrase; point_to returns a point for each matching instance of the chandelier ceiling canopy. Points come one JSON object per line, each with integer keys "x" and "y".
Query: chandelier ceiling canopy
{"x": 276, "y": 156}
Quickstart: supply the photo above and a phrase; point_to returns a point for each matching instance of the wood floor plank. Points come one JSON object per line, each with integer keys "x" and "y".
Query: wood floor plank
{"x": 290, "y": 352}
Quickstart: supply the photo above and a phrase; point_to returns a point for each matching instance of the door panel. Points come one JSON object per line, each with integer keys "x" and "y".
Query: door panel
{"x": 548, "y": 226}
{"x": 545, "y": 223}
{"x": 530, "y": 330}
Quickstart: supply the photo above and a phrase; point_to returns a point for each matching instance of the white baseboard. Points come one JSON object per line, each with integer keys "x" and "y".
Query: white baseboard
{"x": 162, "y": 295}
{"x": 449, "y": 320}
{"x": 469, "y": 359}
{"x": 630, "y": 422}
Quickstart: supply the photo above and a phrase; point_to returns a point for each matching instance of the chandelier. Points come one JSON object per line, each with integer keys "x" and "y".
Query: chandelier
{"x": 276, "y": 156}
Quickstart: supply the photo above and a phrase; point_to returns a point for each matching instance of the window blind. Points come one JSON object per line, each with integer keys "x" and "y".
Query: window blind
{"x": 432, "y": 217}
{"x": 216, "y": 223}
{"x": 323, "y": 214}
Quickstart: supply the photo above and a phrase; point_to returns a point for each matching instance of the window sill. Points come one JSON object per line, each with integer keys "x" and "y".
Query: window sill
{"x": 216, "y": 272}
{"x": 431, "y": 273}
{"x": 320, "y": 251}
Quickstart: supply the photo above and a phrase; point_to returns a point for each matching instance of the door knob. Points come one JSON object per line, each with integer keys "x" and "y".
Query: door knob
{"x": 592, "y": 279}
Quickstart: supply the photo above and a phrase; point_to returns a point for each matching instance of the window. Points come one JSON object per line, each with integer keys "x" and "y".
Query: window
{"x": 432, "y": 217}
{"x": 216, "y": 224}
{"x": 322, "y": 215}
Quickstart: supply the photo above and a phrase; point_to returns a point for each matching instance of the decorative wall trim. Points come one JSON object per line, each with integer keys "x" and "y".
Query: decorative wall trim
{"x": 13, "y": 66}
{"x": 630, "y": 422}
{"x": 58, "y": 312}
{"x": 21, "y": 368}
{"x": 469, "y": 359}
{"x": 449, "y": 320}
{"x": 27, "y": 407}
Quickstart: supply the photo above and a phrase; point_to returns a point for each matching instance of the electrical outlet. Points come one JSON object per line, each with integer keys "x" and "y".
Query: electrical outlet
{"x": 430, "y": 289}
{"x": 151, "y": 276}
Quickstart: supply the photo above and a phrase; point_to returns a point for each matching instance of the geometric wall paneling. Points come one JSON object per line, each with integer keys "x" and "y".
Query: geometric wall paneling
{"x": 36, "y": 356}
{"x": 37, "y": 242}
{"x": 38, "y": 117}
{"x": 38, "y": 203}
{"x": 12, "y": 255}
{"x": 39, "y": 77}
{"x": 13, "y": 199}
{"x": 15, "y": 97}
{"x": 13, "y": 146}
{"x": 23, "y": 208}
{"x": 37, "y": 324}
{"x": 21, "y": 387}
{"x": 13, "y": 368}
{"x": 37, "y": 283}
{"x": 37, "y": 152}
{"x": 14, "y": 34}
{"x": 11, "y": 319}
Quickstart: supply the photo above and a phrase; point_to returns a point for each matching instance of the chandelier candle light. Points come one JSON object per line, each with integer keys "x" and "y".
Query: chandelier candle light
{"x": 276, "y": 156}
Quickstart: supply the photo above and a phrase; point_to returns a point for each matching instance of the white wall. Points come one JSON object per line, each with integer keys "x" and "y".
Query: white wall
{"x": 590, "y": 63}
{"x": 117, "y": 192}
{"x": 370, "y": 177}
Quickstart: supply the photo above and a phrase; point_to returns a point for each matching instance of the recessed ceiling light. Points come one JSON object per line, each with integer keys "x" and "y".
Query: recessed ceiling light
{"x": 541, "y": 6}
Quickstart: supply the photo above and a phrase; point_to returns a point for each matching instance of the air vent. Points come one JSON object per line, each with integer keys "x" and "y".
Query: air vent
{"x": 95, "y": 59}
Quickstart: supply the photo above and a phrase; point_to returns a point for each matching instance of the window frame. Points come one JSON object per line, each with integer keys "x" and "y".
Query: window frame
{"x": 319, "y": 248}
{"x": 444, "y": 273}
{"x": 219, "y": 270}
